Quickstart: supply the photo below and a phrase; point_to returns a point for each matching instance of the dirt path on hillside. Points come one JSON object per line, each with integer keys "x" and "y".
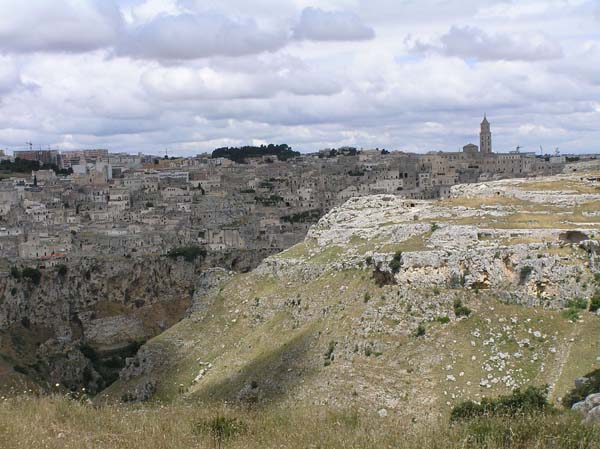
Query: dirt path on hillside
{"x": 563, "y": 359}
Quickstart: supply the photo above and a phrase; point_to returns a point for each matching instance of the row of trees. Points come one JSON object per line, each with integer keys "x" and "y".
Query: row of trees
{"x": 26, "y": 166}
{"x": 283, "y": 152}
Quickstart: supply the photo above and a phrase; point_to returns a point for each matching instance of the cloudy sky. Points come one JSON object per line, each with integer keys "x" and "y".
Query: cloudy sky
{"x": 192, "y": 75}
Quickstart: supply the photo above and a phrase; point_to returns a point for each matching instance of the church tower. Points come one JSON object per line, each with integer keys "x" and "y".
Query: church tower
{"x": 485, "y": 137}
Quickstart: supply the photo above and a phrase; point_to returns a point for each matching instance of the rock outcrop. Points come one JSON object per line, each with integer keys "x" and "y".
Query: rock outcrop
{"x": 77, "y": 326}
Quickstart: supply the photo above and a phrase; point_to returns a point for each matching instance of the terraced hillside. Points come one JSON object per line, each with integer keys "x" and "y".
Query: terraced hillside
{"x": 400, "y": 307}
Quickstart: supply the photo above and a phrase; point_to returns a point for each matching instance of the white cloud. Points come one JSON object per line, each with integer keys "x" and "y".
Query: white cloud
{"x": 57, "y": 25}
{"x": 192, "y": 36}
{"x": 318, "y": 25}
{"x": 472, "y": 42}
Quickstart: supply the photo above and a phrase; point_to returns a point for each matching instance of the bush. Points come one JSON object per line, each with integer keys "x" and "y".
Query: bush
{"x": 571, "y": 314}
{"x": 526, "y": 402}
{"x": 33, "y": 274}
{"x": 367, "y": 297}
{"x": 15, "y": 272}
{"x": 524, "y": 273}
{"x": 308, "y": 216}
{"x": 149, "y": 204}
{"x": 595, "y": 303}
{"x": 580, "y": 393}
{"x": 457, "y": 281}
{"x": 597, "y": 278}
{"x": 62, "y": 270}
{"x": 460, "y": 310}
{"x": 220, "y": 428}
{"x": 396, "y": 262}
{"x": 420, "y": 330}
{"x": 577, "y": 303}
{"x": 328, "y": 355}
{"x": 443, "y": 319}
{"x": 189, "y": 253}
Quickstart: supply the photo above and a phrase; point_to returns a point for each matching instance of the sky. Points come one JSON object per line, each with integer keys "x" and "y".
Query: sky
{"x": 189, "y": 76}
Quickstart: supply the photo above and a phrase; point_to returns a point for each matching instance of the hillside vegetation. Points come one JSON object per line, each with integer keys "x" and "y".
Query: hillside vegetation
{"x": 55, "y": 423}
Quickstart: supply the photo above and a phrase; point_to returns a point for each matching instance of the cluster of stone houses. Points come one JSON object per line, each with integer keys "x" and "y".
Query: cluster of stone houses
{"x": 127, "y": 205}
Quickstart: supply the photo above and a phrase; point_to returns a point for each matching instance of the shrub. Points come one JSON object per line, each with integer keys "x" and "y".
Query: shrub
{"x": 368, "y": 260}
{"x": 328, "y": 355}
{"x": 221, "y": 428}
{"x": 13, "y": 291}
{"x": 457, "y": 281}
{"x": 396, "y": 262}
{"x": 584, "y": 390}
{"x": 420, "y": 330}
{"x": 443, "y": 319}
{"x": 520, "y": 402}
{"x": 15, "y": 272}
{"x": 436, "y": 291}
{"x": 577, "y": 303}
{"x": 460, "y": 310}
{"x": 367, "y": 297}
{"x": 149, "y": 204}
{"x": 571, "y": 314}
{"x": 595, "y": 303}
{"x": 524, "y": 273}
{"x": 189, "y": 253}
{"x": 62, "y": 270}
{"x": 20, "y": 369}
{"x": 434, "y": 227}
{"x": 33, "y": 274}
{"x": 597, "y": 278}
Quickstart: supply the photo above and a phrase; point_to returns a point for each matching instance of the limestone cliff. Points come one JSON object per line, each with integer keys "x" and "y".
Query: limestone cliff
{"x": 76, "y": 324}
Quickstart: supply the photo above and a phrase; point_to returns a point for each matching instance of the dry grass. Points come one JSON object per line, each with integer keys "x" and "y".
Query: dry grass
{"x": 56, "y": 422}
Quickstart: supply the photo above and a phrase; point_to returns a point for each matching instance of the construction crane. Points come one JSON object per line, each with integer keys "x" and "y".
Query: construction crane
{"x": 518, "y": 149}
{"x": 557, "y": 151}
{"x": 30, "y": 144}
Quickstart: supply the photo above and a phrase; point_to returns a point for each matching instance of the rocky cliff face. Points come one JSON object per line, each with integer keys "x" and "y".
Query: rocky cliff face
{"x": 78, "y": 324}
{"x": 407, "y": 306}
{"x": 535, "y": 247}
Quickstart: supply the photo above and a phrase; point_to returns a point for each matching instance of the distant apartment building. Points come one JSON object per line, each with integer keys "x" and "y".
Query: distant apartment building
{"x": 42, "y": 156}
{"x": 77, "y": 157}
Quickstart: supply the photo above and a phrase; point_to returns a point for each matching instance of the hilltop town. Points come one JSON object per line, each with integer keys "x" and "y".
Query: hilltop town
{"x": 92, "y": 202}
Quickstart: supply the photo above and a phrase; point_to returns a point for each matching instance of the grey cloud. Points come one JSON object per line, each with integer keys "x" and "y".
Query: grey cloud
{"x": 208, "y": 83}
{"x": 472, "y": 42}
{"x": 193, "y": 36}
{"x": 58, "y": 25}
{"x": 10, "y": 78}
{"x": 318, "y": 25}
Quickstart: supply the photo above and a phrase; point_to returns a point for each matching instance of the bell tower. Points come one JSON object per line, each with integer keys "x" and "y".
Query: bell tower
{"x": 485, "y": 137}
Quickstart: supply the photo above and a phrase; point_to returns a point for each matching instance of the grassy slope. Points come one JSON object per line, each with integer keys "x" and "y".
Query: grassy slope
{"x": 276, "y": 333}
{"x": 283, "y": 351}
{"x": 58, "y": 423}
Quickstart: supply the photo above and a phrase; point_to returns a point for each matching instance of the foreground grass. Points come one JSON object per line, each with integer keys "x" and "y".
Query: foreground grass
{"x": 56, "y": 422}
